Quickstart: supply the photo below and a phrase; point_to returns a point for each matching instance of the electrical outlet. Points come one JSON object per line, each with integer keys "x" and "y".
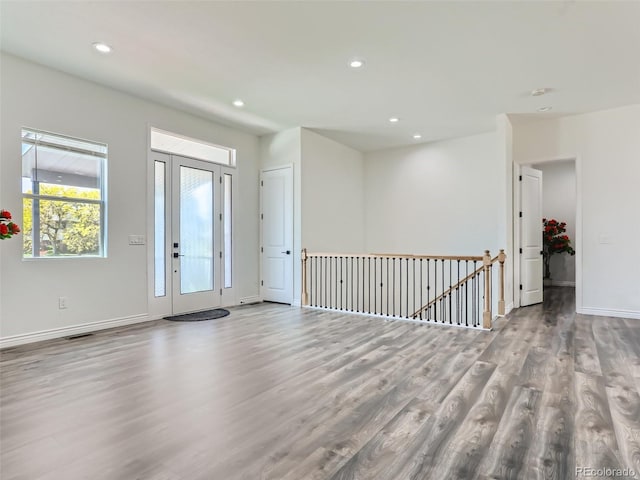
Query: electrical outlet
{"x": 62, "y": 302}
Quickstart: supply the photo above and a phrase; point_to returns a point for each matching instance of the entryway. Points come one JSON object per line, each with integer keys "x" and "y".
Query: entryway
{"x": 192, "y": 235}
{"x": 548, "y": 190}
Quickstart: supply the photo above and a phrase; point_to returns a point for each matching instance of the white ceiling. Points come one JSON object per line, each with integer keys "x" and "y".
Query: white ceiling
{"x": 445, "y": 68}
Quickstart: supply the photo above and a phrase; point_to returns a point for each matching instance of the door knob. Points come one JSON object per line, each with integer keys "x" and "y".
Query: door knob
{"x": 176, "y": 255}
{"x": 288, "y": 252}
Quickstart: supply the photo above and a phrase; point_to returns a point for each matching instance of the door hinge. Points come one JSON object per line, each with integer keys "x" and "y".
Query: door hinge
{"x": 220, "y": 254}
{"x": 262, "y": 282}
{"x": 541, "y": 252}
{"x": 261, "y": 216}
{"x": 520, "y": 214}
{"x": 261, "y": 250}
{"x": 520, "y": 178}
{"x": 220, "y": 217}
{"x": 520, "y": 286}
{"x": 220, "y": 179}
{"x": 220, "y": 291}
{"x": 520, "y": 250}
{"x": 261, "y": 183}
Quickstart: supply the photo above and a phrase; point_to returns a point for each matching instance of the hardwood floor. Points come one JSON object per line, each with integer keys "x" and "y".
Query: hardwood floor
{"x": 273, "y": 392}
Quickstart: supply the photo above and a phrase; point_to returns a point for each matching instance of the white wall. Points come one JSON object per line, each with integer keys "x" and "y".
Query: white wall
{"x": 504, "y": 132}
{"x": 332, "y": 196}
{"x": 278, "y": 150}
{"x": 100, "y": 290}
{"x": 607, "y": 147}
{"x": 559, "y": 202}
{"x": 327, "y": 191}
{"x": 438, "y": 198}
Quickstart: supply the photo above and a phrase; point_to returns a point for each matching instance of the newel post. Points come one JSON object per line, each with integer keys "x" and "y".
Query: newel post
{"x": 486, "y": 315}
{"x": 305, "y": 295}
{"x": 501, "y": 258}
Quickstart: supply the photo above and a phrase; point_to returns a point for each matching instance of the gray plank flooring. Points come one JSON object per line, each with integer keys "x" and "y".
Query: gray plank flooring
{"x": 274, "y": 392}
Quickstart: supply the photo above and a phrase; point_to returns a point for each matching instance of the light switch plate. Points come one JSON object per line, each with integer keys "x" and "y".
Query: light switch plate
{"x": 605, "y": 239}
{"x": 136, "y": 239}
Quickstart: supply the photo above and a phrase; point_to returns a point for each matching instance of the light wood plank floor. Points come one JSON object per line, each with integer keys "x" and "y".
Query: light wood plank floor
{"x": 273, "y": 392}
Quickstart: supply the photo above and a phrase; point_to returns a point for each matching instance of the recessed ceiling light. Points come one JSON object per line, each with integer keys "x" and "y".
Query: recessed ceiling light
{"x": 238, "y": 103}
{"x": 538, "y": 91}
{"x": 394, "y": 119}
{"x": 356, "y": 63}
{"x": 544, "y": 109}
{"x": 417, "y": 136}
{"x": 102, "y": 47}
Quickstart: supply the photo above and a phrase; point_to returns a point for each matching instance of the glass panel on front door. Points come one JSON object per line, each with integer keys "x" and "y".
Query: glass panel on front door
{"x": 196, "y": 230}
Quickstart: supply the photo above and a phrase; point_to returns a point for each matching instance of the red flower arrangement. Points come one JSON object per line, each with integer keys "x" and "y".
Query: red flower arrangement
{"x": 7, "y": 227}
{"x": 554, "y": 241}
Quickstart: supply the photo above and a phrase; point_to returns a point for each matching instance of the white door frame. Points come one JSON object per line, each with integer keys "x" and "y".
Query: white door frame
{"x": 516, "y": 227}
{"x": 159, "y": 307}
{"x": 290, "y": 167}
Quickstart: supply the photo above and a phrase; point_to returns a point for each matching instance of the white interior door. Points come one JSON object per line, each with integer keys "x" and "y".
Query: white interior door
{"x": 195, "y": 235}
{"x": 531, "y": 260}
{"x": 277, "y": 234}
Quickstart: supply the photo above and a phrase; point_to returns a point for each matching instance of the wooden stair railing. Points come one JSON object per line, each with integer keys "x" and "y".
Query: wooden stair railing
{"x": 501, "y": 258}
{"x": 448, "y": 291}
{"x": 390, "y": 284}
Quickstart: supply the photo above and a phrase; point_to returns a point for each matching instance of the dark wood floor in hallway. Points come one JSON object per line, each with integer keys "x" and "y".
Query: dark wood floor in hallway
{"x": 273, "y": 392}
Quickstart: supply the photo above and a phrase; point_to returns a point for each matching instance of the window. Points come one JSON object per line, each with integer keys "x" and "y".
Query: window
{"x": 227, "y": 230}
{"x": 175, "y": 144}
{"x": 63, "y": 196}
{"x": 159, "y": 247}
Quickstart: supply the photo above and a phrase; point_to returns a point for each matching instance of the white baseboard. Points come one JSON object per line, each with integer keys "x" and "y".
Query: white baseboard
{"x": 253, "y": 299}
{"x": 25, "y": 338}
{"x": 604, "y": 312}
{"x": 562, "y": 283}
{"x": 507, "y": 309}
{"x": 296, "y": 302}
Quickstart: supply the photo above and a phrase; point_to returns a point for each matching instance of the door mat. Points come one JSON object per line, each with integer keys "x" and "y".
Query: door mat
{"x": 199, "y": 316}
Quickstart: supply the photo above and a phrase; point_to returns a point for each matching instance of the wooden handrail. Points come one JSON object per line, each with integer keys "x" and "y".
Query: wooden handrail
{"x": 399, "y": 255}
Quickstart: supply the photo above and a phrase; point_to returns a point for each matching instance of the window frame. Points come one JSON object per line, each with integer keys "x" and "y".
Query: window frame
{"x": 102, "y": 187}
{"x": 192, "y": 141}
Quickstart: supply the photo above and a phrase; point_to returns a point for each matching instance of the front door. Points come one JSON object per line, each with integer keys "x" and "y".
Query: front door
{"x": 531, "y": 260}
{"x": 195, "y": 235}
